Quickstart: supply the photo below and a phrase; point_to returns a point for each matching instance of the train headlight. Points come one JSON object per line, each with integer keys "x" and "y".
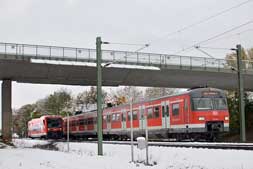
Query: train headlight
{"x": 226, "y": 118}
{"x": 201, "y": 118}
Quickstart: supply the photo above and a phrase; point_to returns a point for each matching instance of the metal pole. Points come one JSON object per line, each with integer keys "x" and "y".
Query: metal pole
{"x": 99, "y": 96}
{"x": 147, "y": 162}
{"x": 68, "y": 132}
{"x": 6, "y": 111}
{"x": 132, "y": 134}
{"x": 241, "y": 93}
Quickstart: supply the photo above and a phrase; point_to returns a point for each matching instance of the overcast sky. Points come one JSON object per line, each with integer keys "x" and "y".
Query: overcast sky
{"x": 76, "y": 23}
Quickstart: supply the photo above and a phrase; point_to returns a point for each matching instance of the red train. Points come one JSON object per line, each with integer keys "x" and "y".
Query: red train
{"x": 197, "y": 113}
{"x": 48, "y": 126}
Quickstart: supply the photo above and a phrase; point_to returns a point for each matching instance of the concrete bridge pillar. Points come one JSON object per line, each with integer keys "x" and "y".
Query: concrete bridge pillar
{"x": 6, "y": 111}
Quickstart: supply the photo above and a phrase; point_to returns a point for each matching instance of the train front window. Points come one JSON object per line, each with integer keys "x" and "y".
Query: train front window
{"x": 54, "y": 123}
{"x": 202, "y": 103}
{"x": 220, "y": 103}
{"x": 210, "y": 103}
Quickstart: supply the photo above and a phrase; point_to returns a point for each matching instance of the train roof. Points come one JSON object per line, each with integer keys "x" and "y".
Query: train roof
{"x": 193, "y": 92}
{"x": 46, "y": 116}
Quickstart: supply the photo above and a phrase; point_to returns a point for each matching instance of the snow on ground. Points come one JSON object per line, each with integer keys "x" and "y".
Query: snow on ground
{"x": 83, "y": 155}
{"x": 28, "y": 143}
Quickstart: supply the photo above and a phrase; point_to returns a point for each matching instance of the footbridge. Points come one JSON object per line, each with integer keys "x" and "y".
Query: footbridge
{"x": 76, "y": 66}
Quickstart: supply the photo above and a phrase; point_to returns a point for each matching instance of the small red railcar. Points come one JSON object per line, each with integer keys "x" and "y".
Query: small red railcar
{"x": 193, "y": 114}
{"x": 48, "y": 126}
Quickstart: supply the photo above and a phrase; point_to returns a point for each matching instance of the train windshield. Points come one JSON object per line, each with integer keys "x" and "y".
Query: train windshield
{"x": 54, "y": 122}
{"x": 209, "y": 103}
{"x": 220, "y": 103}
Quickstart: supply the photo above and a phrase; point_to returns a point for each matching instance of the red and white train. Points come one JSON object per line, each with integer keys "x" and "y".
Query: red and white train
{"x": 197, "y": 113}
{"x": 48, "y": 126}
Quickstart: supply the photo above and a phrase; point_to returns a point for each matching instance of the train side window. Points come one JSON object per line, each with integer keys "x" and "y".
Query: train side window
{"x": 90, "y": 121}
{"x": 156, "y": 112}
{"x": 135, "y": 117}
{"x": 185, "y": 105}
{"x": 117, "y": 117}
{"x": 81, "y": 122}
{"x": 175, "y": 109}
{"x": 150, "y": 113}
{"x": 85, "y": 122}
{"x": 129, "y": 116}
{"x": 113, "y": 117}
{"x": 77, "y": 123}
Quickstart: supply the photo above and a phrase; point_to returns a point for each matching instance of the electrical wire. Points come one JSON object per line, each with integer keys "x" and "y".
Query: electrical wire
{"x": 215, "y": 36}
{"x": 128, "y": 44}
{"x": 215, "y": 48}
{"x": 199, "y": 22}
{"x": 236, "y": 34}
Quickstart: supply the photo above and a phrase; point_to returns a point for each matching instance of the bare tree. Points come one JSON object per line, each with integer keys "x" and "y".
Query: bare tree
{"x": 155, "y": 92}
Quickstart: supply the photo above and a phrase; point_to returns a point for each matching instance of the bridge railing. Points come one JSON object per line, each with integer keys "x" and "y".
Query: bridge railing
{"x": 26, "y": 51}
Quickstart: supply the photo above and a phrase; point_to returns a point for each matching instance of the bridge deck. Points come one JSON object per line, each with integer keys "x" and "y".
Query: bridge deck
{"x": 17, "y": 62}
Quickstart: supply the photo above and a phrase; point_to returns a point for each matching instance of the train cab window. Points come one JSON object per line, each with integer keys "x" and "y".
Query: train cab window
{"x": 220, "y": 103}
{"x": 202, "y": 103}
{"x": 175, "y": 109}
{"x": 135, "y": 116}
{"x": 150, "y": 113}
{"x": 156, "y": 112}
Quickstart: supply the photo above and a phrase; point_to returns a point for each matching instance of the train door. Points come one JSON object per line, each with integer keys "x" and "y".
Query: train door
{"x": 123, "y": 119}
{"x": 108, "y": 117}
{"x": 186, "y": 112}
{"x": 165, "y": 114}
{"x": 142, "y": 119}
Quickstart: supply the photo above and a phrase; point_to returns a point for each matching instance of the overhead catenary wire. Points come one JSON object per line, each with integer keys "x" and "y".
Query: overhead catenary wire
{"x": 228, "y": 36}
{"x": 127, "y": 44}
{"x": 199, "y": 22}
{"x": 202, "y": 51}
{"x": 214, "y": 48}
{"x": 215, "y": 36}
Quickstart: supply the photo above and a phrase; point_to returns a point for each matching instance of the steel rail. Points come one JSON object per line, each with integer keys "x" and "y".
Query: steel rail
{"x": 231, "y": 146}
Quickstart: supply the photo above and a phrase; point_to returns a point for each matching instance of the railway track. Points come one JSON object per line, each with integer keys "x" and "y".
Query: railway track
{"x": 230, "y": 146}
{"x": 233, "y": 146}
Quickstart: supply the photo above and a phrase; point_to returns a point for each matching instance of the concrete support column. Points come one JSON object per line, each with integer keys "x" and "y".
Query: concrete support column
{"x": 6, "y": 111}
